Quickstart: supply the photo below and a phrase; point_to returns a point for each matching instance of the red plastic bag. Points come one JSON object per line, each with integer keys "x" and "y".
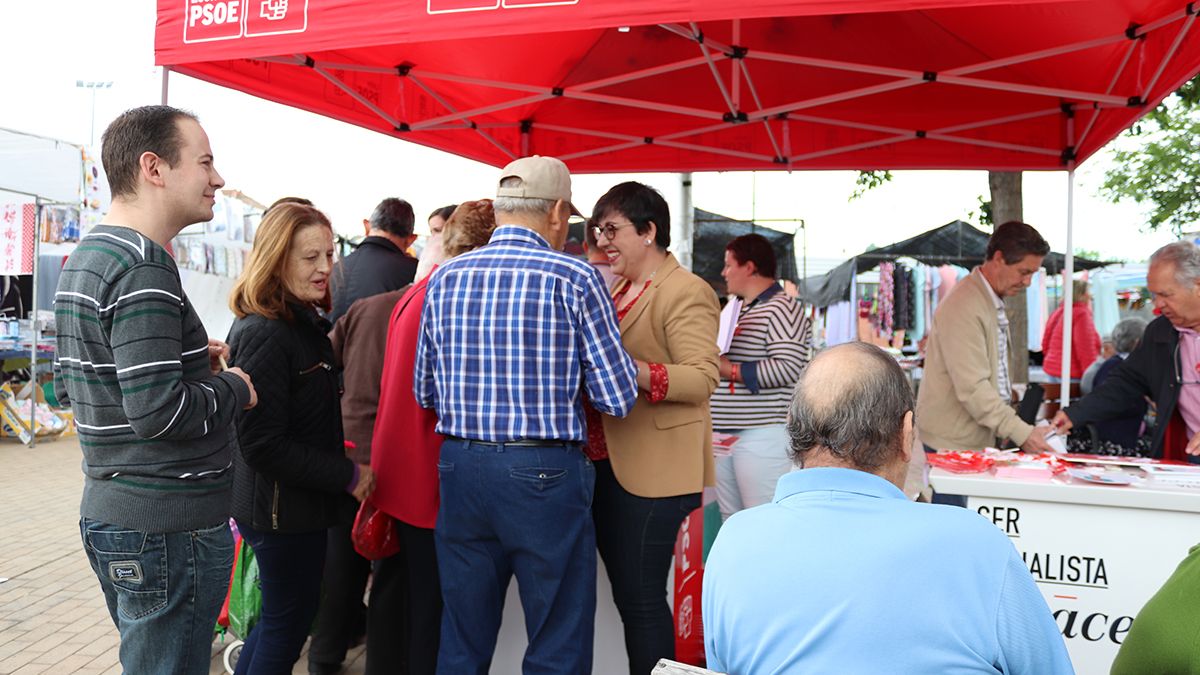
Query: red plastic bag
{"x": 374, "y": 533}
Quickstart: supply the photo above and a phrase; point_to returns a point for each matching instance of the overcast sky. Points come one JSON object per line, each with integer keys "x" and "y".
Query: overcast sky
{"x": 268, "y": 150}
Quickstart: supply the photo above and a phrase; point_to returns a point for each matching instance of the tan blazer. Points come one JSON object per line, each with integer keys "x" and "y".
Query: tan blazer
{"x": 665, "y": 449}
{"x": 959, "y": 407}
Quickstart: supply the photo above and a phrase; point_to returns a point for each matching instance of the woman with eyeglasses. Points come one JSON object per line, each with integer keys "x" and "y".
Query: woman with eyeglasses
{"x": 292, "y": 479}
{"x": 652, "y": 465}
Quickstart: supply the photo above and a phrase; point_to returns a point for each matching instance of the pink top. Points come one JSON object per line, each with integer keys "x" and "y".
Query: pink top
{"x": 1189, "y": 370}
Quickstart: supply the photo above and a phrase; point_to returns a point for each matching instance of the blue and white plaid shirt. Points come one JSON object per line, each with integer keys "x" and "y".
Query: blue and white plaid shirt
{"x": 508, "y": 333}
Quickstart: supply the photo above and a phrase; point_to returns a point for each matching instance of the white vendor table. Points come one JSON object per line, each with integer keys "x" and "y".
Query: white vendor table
{"x": 1097, "y": 552}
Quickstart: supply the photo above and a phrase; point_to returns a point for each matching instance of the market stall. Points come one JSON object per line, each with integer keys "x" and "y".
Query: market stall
{"x": 1098, "y": 538}
{"x": 49, "y": 189}
{"x": 914, "y": 275}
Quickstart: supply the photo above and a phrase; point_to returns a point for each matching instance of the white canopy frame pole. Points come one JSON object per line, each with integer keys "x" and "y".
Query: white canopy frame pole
{"x": 687, "y": 223}
{"x": 35, "y": 332}
{"x": 1068, "y": 292}
{"x": 166, "y": 75}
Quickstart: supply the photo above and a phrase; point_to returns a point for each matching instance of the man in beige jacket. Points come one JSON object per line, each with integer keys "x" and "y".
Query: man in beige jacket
{"x": 964, "y": 402}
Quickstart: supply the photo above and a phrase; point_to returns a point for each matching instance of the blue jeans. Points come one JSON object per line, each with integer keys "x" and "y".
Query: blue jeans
{"x": 289, "y": 572}
{"x": 164, "y": 592}
{"x": 521, "y": 510}
{"x": 636, "y": 538}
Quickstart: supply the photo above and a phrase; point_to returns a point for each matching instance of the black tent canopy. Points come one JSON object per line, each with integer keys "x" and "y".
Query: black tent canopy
{"x": 955, "y": 243}
{"x": 712, "y": 234}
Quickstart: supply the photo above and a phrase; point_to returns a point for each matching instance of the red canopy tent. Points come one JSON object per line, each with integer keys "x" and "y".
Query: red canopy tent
{"x": 695, "y": 85}
{"x": 626, "y": 85}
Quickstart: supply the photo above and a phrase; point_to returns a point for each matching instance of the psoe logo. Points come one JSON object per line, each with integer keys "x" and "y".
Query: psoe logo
{"x": 455, "y": 6}
{"x": 209, "y": 20}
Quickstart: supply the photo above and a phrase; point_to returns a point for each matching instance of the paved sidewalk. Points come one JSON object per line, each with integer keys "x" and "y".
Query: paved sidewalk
{"x": 52, "y": 613}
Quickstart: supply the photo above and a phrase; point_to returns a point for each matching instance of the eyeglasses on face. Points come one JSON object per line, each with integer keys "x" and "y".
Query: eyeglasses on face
{"x": 608, "y": 230}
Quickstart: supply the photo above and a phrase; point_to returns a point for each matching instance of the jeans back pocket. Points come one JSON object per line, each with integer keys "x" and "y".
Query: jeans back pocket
{"x": 132, "y": 563}
{"x": 541, "y": 478}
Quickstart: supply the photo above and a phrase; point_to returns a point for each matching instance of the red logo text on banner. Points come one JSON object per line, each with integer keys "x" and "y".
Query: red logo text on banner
{"x": 274, "y": 17}
{"x": 689, "y": 577}
{"x": 17, "y": 225}
{"x": 209, "y": 20}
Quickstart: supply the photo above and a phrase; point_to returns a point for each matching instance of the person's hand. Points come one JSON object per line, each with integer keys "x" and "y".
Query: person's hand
{"x": 366, "y": 482}
{"x": 217, "y": 352}
{"x": 726, "y": 368}
{"x": 1193, "y": 446}
{"x": 1037, "y": 442}
{"x": 246, "y": 378}
{"x": 1061, "y": 423}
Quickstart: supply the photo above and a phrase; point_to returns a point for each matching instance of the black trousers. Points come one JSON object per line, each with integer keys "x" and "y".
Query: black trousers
{"x": 404, "y": 615}
{"x": 341, "y": 615}
{"x": 636, "y": 539}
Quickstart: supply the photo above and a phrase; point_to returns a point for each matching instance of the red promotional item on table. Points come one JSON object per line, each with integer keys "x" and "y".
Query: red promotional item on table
{"x": 961, "y": 461}
{"x": 374, "y": 533}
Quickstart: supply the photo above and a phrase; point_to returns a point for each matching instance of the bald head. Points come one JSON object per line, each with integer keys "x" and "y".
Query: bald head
{"x": 851, "y": 407}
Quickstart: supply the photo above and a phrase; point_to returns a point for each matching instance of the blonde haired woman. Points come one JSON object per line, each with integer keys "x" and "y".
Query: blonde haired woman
{"x": 292, "y": 479}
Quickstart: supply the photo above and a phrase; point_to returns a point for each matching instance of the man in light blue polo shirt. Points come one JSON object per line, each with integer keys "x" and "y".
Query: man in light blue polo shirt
{"x": 822, "y": 579}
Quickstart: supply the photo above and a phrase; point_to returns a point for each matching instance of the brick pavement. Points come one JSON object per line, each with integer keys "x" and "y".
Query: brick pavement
{"x": 52, "y": 613}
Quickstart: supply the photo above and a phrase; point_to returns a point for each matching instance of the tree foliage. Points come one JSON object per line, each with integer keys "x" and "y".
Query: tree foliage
{"x": 1164, "y": 173}
{"x": 868, "y": 180}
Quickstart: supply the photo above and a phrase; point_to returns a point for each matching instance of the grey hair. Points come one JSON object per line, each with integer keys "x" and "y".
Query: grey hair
{"x": 1127, "y": 333}
{"x": 530, "y": 206}
{"x": 1185, "y": 256}
{"x": 859, "y": 417}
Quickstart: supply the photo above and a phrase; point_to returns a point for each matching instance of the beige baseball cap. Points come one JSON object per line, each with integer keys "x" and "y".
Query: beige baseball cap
{"x": 541, "y": 178}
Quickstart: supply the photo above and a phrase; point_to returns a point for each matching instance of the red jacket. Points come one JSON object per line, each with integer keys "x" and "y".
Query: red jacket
{"x": 1085, "y": 341}
{"x": 405, "y": 451}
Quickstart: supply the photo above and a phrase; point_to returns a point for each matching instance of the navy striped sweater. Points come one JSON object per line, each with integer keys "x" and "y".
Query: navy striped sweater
{"x": 155, "y": 425}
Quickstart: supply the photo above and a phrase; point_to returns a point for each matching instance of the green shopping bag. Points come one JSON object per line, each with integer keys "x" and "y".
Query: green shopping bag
{"x": 245, "y": 592}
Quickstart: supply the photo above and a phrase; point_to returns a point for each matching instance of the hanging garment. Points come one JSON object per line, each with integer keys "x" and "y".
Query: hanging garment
{"x": 1033, "y": 309}
{"x": 901, "y": 319}
{"x": 920, "y": 302}
{"x": 1104, "y": 303}
{"x": 949, "y": 277}
{"x": 886, "y": 297}
{"x": 840, "y": 323}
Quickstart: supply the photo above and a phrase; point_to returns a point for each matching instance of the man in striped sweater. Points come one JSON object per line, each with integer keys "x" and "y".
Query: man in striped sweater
{"x": 770, "y": 349}
{"x": 154, "y": 411}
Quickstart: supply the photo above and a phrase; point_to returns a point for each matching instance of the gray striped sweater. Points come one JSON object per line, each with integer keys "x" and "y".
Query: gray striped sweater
{"x": 155, "y": 425}
{"x": 772, "y": 345}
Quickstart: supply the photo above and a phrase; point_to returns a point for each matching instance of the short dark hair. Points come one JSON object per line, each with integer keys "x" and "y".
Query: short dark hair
{"x": 1015, "y": 240}
{"x": 394, "y": 216}
{"x": 642, "y": 205}
{"x": 757, "y": 249}
{"x": 288, "y": 200}
{"x": 860, "y": 418}
{"x": 151, "y": 128}
{"x": 444, "y": 212}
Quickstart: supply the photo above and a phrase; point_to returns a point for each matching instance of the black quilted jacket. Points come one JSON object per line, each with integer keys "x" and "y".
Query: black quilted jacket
{"x": 291, "y": 473}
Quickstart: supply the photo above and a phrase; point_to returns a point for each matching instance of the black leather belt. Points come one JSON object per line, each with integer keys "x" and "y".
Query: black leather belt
{"x": 521, "y": 443}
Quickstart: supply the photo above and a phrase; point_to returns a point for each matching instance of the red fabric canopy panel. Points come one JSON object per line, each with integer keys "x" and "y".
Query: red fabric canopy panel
{"x": 668, "y": 85}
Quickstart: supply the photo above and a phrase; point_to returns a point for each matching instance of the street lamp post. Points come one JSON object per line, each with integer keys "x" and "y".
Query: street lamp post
{"x": 88, "y": 84}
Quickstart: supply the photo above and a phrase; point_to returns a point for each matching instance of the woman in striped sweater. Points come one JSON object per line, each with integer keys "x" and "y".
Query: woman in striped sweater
{"x": 771, "y": 347}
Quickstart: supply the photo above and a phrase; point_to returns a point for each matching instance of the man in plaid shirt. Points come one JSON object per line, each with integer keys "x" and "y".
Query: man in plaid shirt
{"x": 512, "y": 335}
